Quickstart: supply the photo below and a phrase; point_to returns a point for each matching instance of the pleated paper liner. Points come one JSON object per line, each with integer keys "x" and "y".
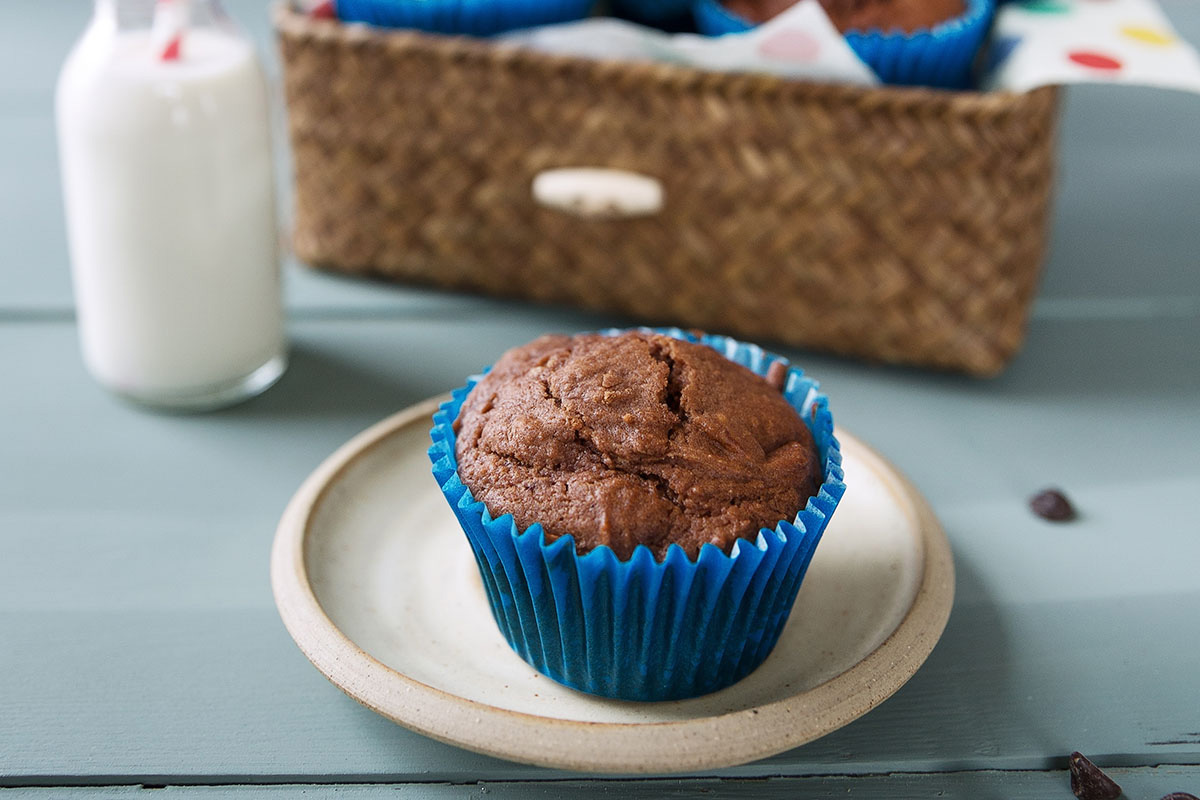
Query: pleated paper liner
{"x": 643, "y": 629}
{"x": 941, "y": 57}
{"x": 472, "y": 17}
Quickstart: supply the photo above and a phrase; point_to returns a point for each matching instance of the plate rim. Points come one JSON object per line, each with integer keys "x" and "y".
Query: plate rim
{"x": 610, "y": 747}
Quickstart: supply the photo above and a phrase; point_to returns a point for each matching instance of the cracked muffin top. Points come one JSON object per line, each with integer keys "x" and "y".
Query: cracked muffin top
{"x": 908, "y": 16}
{"x": 634, "y": 439}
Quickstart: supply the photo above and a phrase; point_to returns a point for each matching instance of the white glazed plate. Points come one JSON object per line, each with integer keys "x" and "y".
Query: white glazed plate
{"x": 377, "y": 585}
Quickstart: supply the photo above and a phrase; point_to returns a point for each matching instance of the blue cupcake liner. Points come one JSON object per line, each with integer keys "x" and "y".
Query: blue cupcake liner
{"x": 472, "y": 17}
{"x": 642, "y": 629}
{"x": 672, "y": 15}
{"x": 941, "y": 57}
{"x": 713, "y": 19}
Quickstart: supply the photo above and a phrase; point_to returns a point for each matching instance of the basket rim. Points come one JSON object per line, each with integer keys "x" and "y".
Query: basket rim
{"x": 667, "y": 77}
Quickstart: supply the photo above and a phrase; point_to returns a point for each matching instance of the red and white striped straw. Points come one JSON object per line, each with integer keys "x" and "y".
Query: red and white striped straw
{"x": 320, "y": 9}
{"x": 171, "y": 18}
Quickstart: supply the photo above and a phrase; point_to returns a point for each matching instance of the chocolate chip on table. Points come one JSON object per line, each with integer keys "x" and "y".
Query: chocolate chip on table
{"x": 1179, "y": 796}
{"x": 1088, "y": 782}
{"x": 1053, "y": 505}
{"x": 777, "y": 374}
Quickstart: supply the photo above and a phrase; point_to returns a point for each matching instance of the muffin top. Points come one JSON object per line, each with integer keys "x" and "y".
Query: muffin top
{"x": 634, "y": 439}
{"x": 861, "y": 15}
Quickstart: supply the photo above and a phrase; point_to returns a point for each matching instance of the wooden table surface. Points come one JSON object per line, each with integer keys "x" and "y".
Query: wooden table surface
{"x": 139, "y": 645}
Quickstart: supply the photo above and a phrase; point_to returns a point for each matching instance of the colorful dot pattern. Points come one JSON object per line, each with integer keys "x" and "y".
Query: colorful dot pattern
{"x": 1047, "y": 6}
{"x": 790, "y": 45}
{"x": 1088, "y": 58}
{"x": 1150, "y": 36}
{"x": 1095, "y": 39}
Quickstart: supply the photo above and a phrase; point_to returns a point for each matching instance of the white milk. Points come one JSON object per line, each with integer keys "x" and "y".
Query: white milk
{"x": 167, "y": 176}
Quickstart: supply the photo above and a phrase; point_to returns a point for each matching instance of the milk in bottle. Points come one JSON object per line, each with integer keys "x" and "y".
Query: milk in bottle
{"x": 165, "y": 148}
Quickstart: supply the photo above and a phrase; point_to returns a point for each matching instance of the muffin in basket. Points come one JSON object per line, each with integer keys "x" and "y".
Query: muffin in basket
{"x": 910, "y": 42}
{"x": 642, "y": 505}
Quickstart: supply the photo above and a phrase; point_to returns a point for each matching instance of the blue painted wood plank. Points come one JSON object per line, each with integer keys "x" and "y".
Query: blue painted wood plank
{"x": 138, "y": 636}
{"x": 1138, "y": 784}
{"x": 1123, "y": 221}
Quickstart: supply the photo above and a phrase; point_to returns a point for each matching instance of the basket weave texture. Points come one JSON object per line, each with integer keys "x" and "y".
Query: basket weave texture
{"x": 895, "y": 225}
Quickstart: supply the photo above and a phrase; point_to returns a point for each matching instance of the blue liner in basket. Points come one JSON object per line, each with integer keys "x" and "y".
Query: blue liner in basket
{"x": 941, "y": 56}
{"x": 670, "y": 15}
{"x": 643, "y": 629}
{"x": 472, "y": 17}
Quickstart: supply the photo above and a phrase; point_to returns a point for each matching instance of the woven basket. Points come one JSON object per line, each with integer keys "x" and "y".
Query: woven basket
{"x": 895, "y": 225}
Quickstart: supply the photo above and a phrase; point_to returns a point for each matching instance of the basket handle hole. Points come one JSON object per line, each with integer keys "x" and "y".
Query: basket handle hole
{"x": 598, "y": 193}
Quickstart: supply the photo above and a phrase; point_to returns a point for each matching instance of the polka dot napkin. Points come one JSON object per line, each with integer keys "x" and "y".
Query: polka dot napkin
{"x": 1041, "y": 42}
{"x": 1033, "y": 43}
{"x": 799, "y": 43}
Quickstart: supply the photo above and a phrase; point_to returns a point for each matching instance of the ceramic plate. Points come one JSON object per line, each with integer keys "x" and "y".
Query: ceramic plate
{"x": 378, "y": 587}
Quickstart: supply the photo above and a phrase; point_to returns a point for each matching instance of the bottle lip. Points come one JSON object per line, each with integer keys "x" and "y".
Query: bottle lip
{"x": 125, "y": 15}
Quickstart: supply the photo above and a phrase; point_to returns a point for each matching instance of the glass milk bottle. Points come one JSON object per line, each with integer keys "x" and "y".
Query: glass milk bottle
{"x": 165, "y": 148}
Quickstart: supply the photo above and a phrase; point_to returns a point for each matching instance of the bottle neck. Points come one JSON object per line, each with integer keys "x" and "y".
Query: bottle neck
{"x": 126, "y": 15}
{"x": 104, "y": 14}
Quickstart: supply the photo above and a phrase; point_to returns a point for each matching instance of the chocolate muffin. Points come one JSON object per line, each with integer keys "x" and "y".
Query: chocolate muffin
{"x": 638, "y": 438}
{"x": 860, "y": 15}
{"x": 904, "y": 42}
